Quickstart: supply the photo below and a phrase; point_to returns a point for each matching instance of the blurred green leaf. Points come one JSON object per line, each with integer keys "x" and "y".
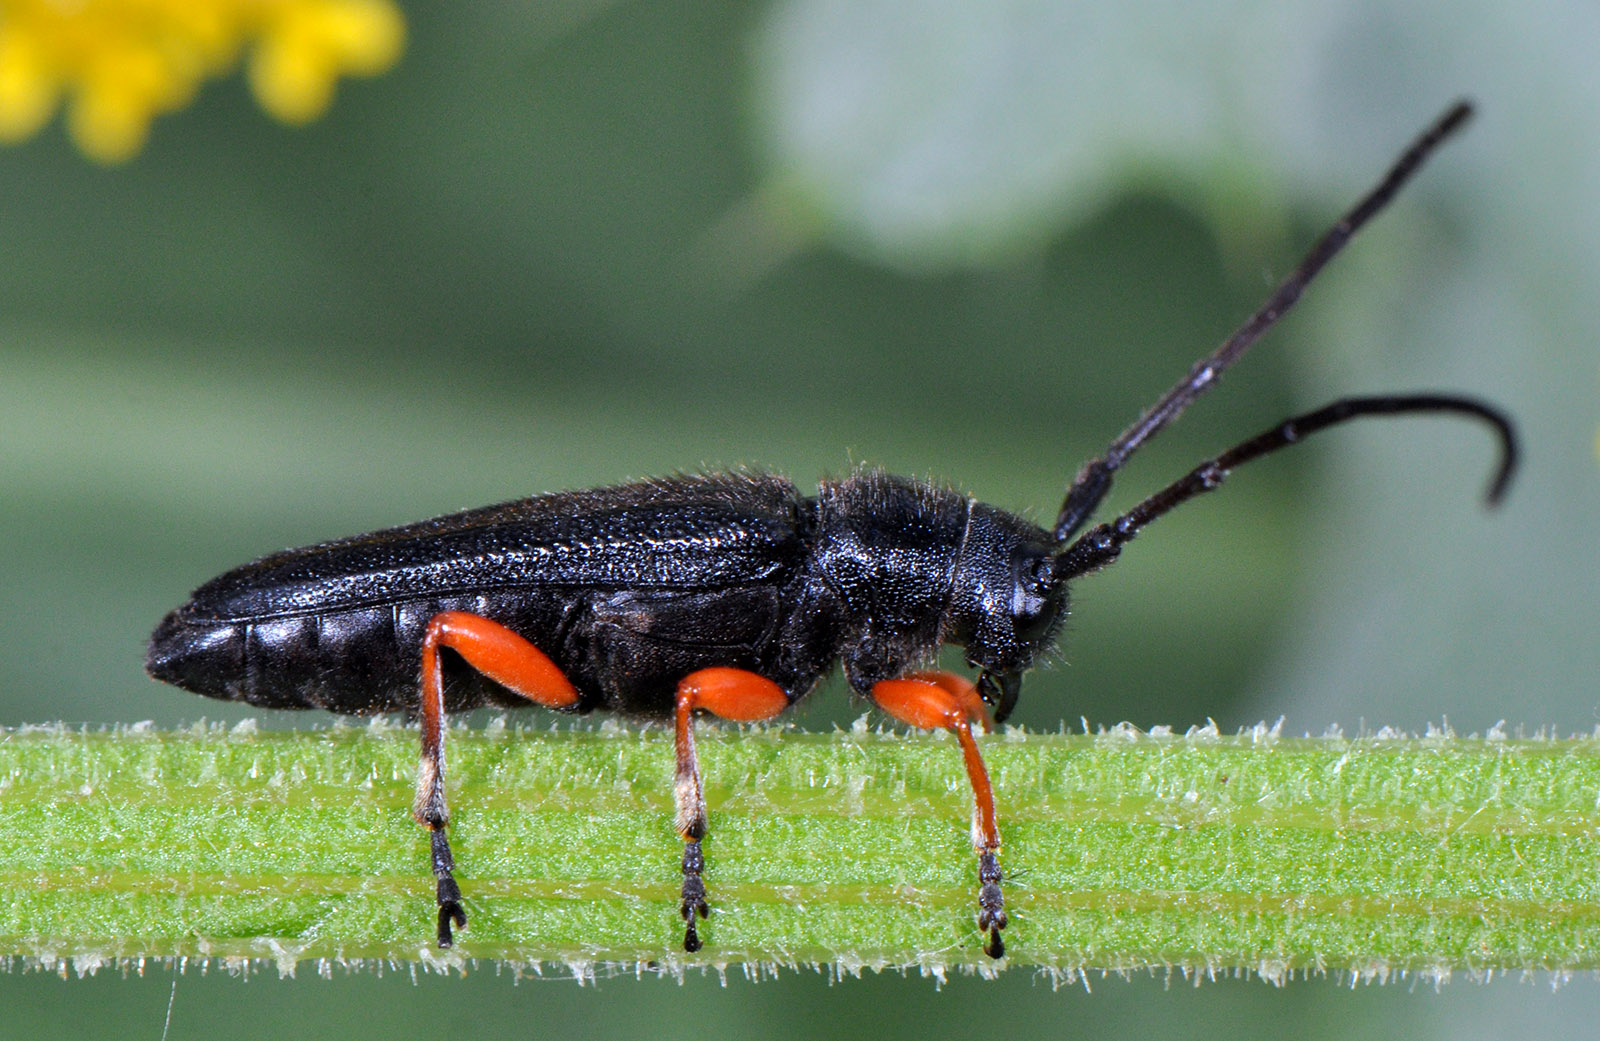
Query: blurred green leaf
{"x": 933, "y": 133}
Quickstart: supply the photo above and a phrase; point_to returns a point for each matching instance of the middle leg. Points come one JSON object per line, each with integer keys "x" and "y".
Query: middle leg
{"x": 728, "y": 693}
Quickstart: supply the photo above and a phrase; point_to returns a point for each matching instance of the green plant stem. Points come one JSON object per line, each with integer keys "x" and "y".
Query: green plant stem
{"x": 1122, "y": 850}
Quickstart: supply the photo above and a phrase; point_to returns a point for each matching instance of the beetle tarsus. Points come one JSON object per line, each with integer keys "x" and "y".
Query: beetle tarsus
{"x": 991, "y": 903}
{"x": 447, "y": 892}
{"x": 694, "y": 895}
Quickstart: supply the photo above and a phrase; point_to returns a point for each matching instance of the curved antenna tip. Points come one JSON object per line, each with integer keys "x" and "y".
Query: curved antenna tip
{"x": 1457, "y": 114}
{"x": 1495, "y": 495}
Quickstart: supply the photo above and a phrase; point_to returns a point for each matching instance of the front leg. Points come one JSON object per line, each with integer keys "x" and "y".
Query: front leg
{"x": 735, "y": 694}
{"x": 933, "y": 700}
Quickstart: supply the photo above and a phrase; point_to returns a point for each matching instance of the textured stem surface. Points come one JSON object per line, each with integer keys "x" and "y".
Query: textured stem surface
{"x": 1123, "y": 850}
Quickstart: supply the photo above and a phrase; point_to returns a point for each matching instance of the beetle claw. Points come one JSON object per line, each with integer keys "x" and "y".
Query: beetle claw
{"x": 450, "y": 911}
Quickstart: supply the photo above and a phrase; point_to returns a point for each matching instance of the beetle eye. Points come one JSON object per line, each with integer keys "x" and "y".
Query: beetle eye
{"x": 1038, "y": 575}
{"x": 1033, "y": 607}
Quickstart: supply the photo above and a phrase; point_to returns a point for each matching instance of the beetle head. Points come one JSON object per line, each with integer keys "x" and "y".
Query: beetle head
{"x": 1007, "y": 602}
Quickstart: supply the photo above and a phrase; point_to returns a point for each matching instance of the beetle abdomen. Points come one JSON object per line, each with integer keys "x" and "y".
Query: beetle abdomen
{"x": 621, "y": 587}
{"x": 361, "y": 660}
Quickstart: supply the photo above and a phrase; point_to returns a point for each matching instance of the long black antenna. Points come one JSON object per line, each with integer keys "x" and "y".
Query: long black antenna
{"x": 1101, "y": 544}
{"x": 1093, "y": 481}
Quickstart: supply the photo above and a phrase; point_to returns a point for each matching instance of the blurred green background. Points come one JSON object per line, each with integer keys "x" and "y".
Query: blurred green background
{"x": 572, "y": 243}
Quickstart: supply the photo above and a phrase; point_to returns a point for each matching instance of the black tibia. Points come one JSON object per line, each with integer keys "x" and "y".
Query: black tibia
{"x": 694, "y": 894}
{"x": 448, "y": 893}
{"x": 991, "y": 903}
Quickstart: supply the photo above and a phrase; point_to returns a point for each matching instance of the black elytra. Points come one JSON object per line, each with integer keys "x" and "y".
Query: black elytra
{"x": 628, "y": 590}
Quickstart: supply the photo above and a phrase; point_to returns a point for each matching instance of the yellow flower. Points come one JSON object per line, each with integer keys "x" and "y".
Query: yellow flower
{"x": 117, "y": 64}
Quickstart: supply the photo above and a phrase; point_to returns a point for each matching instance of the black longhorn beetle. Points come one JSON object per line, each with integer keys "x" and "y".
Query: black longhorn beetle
{"x": 725, "y": 593}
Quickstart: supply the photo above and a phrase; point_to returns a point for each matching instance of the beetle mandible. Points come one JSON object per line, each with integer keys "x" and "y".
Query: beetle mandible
{"x": 728, "y": 593}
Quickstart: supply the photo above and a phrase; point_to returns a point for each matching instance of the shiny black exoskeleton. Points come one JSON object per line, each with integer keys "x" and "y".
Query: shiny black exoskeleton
{"x": 628, "y": 590}
{"x": 725, "y": 593}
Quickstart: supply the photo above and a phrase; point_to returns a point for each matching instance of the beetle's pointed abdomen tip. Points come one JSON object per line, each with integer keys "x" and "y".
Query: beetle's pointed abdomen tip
{"x": 196, "y": 657}
{"x": 163, "y": 658}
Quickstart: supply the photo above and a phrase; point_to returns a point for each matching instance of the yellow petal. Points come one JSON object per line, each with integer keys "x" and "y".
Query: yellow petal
{"x": 293, "y": 83}
{"x": 366, "y": 36}
{"x": 109, "y": 126}
{"x": 123, "y": 62}
{"x": 29, "y": 90}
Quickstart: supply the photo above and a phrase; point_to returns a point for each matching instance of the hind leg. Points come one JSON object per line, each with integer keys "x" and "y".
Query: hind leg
{"x": 510, "y": 661}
